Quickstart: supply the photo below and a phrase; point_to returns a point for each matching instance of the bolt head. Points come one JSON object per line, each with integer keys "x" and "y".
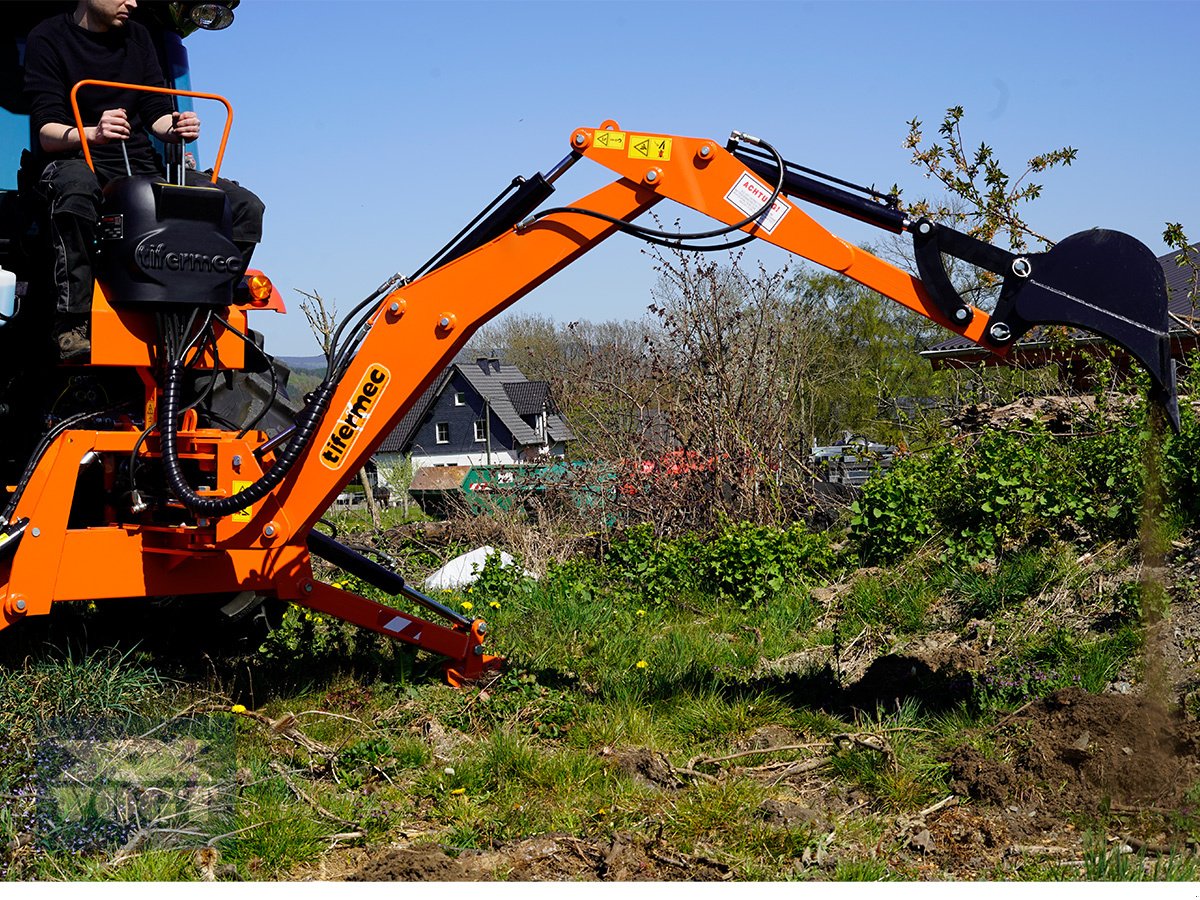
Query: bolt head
{"x": 652, "y": 176}
{"x": 481, "y": 628}
{"x": 706, "y": 151}
{"x": 394, "y": 308}
{"x": 444, "y": 322}
{"x": 20, "y": 606}
{"x": 478, "y": 650}
{"x": 269, "y": 531}
{"x": 962, "y": 314}
{"x": 308, "y": 588}
{"x": 36, "y": 532}
{"x": 580, "y": 140}
{"x": 237, "y": 462}
{"x": 924, "y": 228}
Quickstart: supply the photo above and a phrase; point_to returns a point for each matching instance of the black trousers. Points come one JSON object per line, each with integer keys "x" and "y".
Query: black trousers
{"x": 71, "y": 192}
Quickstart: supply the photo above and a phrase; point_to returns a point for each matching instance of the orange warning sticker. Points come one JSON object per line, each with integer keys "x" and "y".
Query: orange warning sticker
{"x": 649, "y": 146}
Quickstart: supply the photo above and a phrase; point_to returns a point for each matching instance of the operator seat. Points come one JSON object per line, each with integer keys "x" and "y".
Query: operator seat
{"x": 166, "y": 244}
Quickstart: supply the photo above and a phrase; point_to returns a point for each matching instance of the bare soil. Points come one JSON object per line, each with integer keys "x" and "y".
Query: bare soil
{"x": 546, "y": 858}
{"x": 1086, "y": 752}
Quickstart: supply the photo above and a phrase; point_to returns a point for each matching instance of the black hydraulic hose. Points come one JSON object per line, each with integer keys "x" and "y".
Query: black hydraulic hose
{"x": 270, "y": 368}
{"x": 168, "y": 422}
{"x": 43, "y": 445}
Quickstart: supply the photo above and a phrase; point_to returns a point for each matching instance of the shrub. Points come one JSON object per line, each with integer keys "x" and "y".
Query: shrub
{"x": 750, "y": 564}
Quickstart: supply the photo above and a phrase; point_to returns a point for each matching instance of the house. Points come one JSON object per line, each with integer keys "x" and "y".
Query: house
{"x": 479, "y": 411}
{"x": 1040, "y": 347}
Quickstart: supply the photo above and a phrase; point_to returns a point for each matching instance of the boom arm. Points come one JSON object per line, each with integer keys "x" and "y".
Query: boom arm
{"x": 260, "y": 542}
{"x": 418, "y": 328}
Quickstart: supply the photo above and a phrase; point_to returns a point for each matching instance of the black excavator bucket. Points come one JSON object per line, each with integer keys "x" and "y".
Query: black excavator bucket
{"x": 1105, "y": 282}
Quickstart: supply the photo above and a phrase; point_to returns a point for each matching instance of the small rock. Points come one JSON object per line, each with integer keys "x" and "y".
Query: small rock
{"x": 1082, "y": 742}
{"x": 1119, "y": 687}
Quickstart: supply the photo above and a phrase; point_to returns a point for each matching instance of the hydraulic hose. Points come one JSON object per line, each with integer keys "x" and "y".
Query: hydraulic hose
{"x": 168, "y": 423}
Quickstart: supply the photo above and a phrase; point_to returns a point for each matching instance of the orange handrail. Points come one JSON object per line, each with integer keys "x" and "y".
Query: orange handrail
{"x": 87, "y": 153}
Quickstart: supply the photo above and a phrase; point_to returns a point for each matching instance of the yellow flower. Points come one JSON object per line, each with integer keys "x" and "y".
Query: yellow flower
{"x": 458, "y": 791}
{"x": 495, "y": 604}
{"x": 237, "y": 708}
{"x": 468, "y": 605}
{"x": 641, "y": 664}
{"x": 340, "y": 585}
{"x": 641, "y": 612}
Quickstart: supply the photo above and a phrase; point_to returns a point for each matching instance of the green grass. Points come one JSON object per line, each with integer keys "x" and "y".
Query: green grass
{"x": 1106, "y": 862}
{"x": 597, "y": 676}
{"x": 898, "y": 601}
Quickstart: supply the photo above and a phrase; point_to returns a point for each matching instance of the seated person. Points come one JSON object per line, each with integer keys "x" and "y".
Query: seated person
{"x": 99, "y": 41}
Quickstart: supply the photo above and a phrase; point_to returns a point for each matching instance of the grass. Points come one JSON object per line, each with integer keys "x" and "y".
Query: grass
{"x": 597, "y": 675}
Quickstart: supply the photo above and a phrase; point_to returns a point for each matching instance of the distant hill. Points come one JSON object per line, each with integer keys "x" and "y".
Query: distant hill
{"x": 304, "y": 363}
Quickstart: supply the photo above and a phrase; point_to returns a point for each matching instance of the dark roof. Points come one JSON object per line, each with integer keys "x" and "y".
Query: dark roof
{"x": 402, "y": 433}
{"x": 1181, "y": 307}
{"x": 505, "y": 388}
{"x": 529, "y": 398}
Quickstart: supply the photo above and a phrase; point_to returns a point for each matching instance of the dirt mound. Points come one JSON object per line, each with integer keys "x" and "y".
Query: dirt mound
{"x": 546, "y": 858}
{"x": 646, "y": 767}
{"x": 1083, "y": 751}
{"x": 424, "y": 864}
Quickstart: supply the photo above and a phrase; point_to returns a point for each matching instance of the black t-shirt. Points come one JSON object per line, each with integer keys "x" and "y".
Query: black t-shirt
{"x": 59, "y": 54}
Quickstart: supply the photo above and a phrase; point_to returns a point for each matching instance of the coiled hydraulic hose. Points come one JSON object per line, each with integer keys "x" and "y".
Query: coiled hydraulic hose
{"x": 168, "y": 425}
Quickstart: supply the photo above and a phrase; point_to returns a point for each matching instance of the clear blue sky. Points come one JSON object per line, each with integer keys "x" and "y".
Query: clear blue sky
{"x": 373, "y": 130}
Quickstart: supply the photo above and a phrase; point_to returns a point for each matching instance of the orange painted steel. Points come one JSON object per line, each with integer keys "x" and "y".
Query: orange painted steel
{"x": 416, "y": 330}
{"x": 125, "y": 337}
{"x": 87, "y": 153}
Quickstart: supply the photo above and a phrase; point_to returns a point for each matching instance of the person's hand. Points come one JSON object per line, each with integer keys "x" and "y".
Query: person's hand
{"x": 113, "y": 126}
{"x": 186, "y": 125}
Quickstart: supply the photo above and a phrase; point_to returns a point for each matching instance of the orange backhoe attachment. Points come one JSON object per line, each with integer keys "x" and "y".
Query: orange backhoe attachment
{"x": 239, "y": 510}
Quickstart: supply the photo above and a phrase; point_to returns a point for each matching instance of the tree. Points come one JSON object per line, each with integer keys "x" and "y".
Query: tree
{"x": 322, "y": 320}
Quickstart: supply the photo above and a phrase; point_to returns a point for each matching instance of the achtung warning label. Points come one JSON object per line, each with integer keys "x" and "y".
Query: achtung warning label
{"x": 651, "y": 147}
{"x": 610, "y": 140}
{"x": 242, "y": 515}
{"x": 748, "y": 195}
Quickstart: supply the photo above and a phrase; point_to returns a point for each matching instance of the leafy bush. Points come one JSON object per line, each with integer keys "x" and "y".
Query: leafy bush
{"x": 1022, "y": 485}
{"x": 495, "y": 582}
{"x": 657, "y": 570}
{"x": 750, "y": 564}
{"x": 895, "y": 514}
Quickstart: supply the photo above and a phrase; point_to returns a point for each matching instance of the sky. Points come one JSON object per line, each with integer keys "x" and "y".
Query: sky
{"x": 374, "y": 130}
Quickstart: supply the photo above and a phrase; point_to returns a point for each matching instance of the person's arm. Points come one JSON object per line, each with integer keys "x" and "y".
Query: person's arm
{"x": 56, "y": 137}
{"x": 177, "y": 128}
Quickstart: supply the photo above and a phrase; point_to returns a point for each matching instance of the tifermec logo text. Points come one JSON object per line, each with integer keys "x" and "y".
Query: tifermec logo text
{"x": 341, "y": 439}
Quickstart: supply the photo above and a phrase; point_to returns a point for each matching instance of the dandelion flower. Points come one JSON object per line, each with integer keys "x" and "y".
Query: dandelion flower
{"x": 457, "y": 791}
{"x": 641, "y": 664}
{"x": 468, "y": 605}
{"x": 237, "y": 708}
{"x": 495, "y": 604}
{"x": 641, "y": 612}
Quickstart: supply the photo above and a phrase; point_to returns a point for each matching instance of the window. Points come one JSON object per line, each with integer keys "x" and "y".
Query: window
{"x": 443, "y": 432}
{"x": 480, "y": 430}
{"x": 460, "y": 398}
